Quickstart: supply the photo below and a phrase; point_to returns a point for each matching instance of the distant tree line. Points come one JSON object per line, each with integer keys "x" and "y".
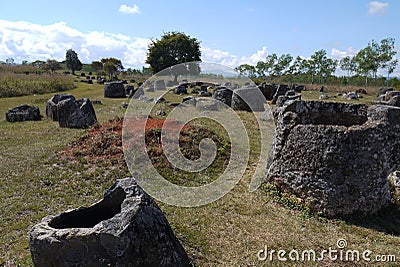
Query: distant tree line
{"x": 320, "y": 68}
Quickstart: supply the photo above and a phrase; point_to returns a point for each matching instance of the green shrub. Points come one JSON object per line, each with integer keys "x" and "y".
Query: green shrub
{"x": 19, "y": 84}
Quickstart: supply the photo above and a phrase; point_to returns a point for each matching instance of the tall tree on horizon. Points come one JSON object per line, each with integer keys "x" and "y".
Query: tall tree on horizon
{"x": 72, "y": 60}
{"x": 173, "y": 48}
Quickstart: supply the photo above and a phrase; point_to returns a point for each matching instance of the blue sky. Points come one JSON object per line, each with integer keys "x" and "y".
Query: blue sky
{"x": 231, "y": 32}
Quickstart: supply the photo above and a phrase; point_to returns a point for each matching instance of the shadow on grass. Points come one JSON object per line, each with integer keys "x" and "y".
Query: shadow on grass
{"x": 386, "y": 220}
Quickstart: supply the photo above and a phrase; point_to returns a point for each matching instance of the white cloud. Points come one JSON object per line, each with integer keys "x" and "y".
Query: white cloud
{"x": 129, "y": 9}
{"x": 26, "y": 41}
{"x": 227, "y": 59}
{"x": 377, "y": 8}
{"x": 338, "y": 54}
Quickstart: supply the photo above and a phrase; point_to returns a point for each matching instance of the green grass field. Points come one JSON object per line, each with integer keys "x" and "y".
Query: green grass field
{"x": 36, "y": 182}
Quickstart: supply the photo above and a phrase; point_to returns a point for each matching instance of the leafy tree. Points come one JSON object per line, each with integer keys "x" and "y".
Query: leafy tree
{"x": 52, "y": 65}
{"x": 282, "y": 64}
{"x": 96, "y": 66}
{"x": 111, "y": 66}
{"x": 39, "y": 64}
{"x": 368, "y": 60}
{"x": 247, "y": 70}
{"x": 10, "y": 61}
{"x": 264, "y": 68}
{"x": 349, "y": 65}
{"x": 72, "y": 60}
{"x": 24, "y": 62}
{"x": 173, "y": 48}
{"x": 116, "y": 62}
{"x": 297, "y": 67}
{"x": 386, "y": 54}
{"x": 321, "y": 65}
{"x": 110, "y": 69}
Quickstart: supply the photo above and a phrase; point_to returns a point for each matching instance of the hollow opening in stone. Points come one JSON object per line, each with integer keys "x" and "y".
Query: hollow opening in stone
{"x": 329, "y": 113}
{"x": 88, "y": 217}
{"x": 340, "y": 118}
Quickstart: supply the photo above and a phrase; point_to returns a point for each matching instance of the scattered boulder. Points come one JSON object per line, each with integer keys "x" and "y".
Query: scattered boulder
{"x": 114, "y": 90}
{"x": 223, "y": 94}
{"x": 390, "y": 94}
{"x": 280, "y": 90}
{"x": 125, "y": 228}
{"x": 323, "y": 97}
{"x": 145, "y": 98}
{"x": 383, "y": 90}
{"x": 159, "y": 99}
{"x": 336, "y": 156}
{"x": 171, "y": 83}
{"x": 189, "y": 100}
{"x": 160, "y": 85}
{"x": 76, "y": 113}
{"x": 136, "y": 94}
{"x": 298, "y": 88}
{"x": 268, "y": 90}
{"x": 285, "y": 100}
{"x": 181, "y": 89}
{"x": 351, "y": 96}
{"x": 23, "y": 113}
{"x": 361, "y": 91}
{"x": 149, "y": 87}
{"x": 205, "y": 94}
{"x": 290, "y": 93}
{"x": 52, "y": 104}
{"x": 89, "y": 81}
{"x": 203, "y": 88}
{"x": 129, "y": 89}
{"x": 248, "y": 99}
{"x": 394, "y": 101}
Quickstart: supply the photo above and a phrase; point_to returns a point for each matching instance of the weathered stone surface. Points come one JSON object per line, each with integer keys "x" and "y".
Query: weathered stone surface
{"x": 391, "y": 98}
{"x": 159, "y": 85}
{"x": 114, "y": 90}
{"x": 351, "y": 96}
{"x": 223, "y": 94}
{"x": 384, "y": 90}
{"x": 298, "y": 88}
{"x": 181, "y": 89}
{"x": 136, "y": 94}
{"x": 51, "y": 105}
{"x": 23, "y": 113}
{"x": 268, "y": 90}
{"x": 394, "y": 185}
{"x": 248, "y": 99}
{"x": 336, "y": 156}
{"x": 280, "y": 90}
{"x": 391, "y": 94}
{"x": 76, "y": 113}
{"x": 394, "y": 101}
{"x": 285, "y": 100}
{"x": 129, "y": 89}
{"x": 160, "y": 99}
{"x": 189, "y": 99}
{"x": 126, "y": 228}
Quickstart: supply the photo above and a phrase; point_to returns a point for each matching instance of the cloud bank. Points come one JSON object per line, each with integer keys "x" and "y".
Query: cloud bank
{"x": 129, "y": 9}
{"x": 377, "y": 8}
{"x": 23, "y": 40}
